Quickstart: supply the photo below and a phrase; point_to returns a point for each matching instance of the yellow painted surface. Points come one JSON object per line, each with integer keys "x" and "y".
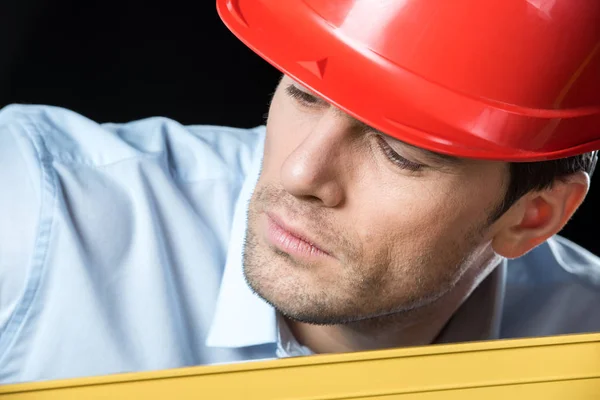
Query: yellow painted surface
{"x": 558, "y": 367}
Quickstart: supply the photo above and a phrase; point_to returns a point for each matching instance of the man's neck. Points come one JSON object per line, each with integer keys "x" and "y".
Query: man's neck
{"x": 412, "y": 328}
{"x": 372, "y": 334}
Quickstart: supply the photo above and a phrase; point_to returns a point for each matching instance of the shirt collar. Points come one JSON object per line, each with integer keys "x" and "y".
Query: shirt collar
{"x": 243, "y": 319}
{"x": 479, "y": 317}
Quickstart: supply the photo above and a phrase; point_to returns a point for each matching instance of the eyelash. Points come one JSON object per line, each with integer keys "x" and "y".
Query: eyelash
{"x": 305, "y": 99}
{"x": 308, "y": 100}
{"x": 396, "y": 158}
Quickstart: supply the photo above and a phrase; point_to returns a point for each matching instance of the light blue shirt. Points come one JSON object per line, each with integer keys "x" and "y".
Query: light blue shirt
{"x": 121, "y": 250}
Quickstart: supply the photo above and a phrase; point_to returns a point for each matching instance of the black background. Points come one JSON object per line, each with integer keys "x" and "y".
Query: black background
{"x": 123, "y": 60}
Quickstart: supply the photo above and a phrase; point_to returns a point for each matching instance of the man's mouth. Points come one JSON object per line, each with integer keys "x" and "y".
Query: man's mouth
{"x": 291, "y": 240}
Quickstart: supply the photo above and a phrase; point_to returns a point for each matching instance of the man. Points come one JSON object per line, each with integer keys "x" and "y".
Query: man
{"x": 407, "y": 190}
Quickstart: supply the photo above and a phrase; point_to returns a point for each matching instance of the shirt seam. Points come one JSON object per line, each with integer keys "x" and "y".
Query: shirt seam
{"x": 227, "y": 177}
{"x": 9, "y": 334}
{"x": 68, "y": 160}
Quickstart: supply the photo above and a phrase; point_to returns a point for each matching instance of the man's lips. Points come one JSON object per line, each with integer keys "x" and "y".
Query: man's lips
{"x": 292, "y": 240}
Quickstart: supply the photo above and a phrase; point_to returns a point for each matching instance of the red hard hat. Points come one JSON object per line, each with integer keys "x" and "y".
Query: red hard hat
{"x": 512, "y": 80}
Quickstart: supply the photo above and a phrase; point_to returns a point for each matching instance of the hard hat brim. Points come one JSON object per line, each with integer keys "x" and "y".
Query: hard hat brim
{"x": 396, "y": 101}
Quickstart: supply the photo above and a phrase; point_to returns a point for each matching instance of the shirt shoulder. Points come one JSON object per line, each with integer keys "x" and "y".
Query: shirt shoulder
{"x": 57, "y": 165}
{"x": 557, "y": 261}
{"x": 552, "y": 290}
{"x": 194, "y": 152}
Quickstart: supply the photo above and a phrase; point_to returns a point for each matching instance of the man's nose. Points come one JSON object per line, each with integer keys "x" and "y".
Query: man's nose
{"x": 313, "y": 171}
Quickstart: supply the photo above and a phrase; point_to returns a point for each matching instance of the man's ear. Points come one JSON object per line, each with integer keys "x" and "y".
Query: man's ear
{"x": 539, "y": 215}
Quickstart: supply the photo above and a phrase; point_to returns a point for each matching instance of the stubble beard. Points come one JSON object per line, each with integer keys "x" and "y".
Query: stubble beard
{"x": 263, "y": 267}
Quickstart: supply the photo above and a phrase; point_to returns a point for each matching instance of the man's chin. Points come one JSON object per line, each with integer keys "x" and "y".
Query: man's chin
{"x": 300, "y": 306}
{"x": 319, "y": 320}
{"x": 287, "y": 301}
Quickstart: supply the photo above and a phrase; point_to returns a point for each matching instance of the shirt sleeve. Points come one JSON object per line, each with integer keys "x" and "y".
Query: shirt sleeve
{"x": 20, "y": 190}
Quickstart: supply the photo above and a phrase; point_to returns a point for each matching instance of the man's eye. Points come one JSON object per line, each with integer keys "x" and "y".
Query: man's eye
{"x": 396, "y": 158}
{"x": 302, "y": 97}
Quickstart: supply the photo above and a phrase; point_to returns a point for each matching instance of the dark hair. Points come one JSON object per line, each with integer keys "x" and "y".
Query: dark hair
{"x": 525, "y": 177}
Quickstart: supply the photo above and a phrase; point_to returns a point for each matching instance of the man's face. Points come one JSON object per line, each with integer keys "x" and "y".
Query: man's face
{"x": 348, "y": 224}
